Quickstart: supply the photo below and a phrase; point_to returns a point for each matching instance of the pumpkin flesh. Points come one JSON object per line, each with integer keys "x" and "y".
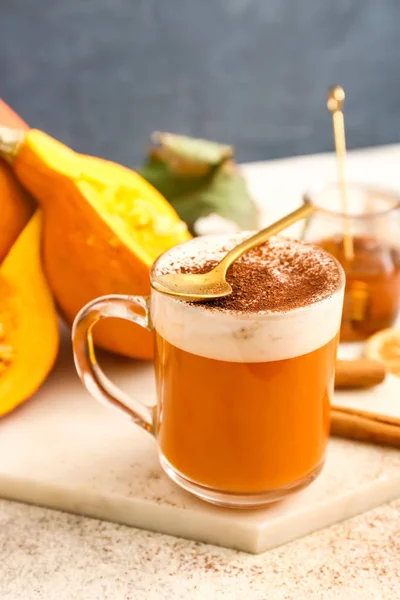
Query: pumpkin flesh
{"x": 29, "y": 334}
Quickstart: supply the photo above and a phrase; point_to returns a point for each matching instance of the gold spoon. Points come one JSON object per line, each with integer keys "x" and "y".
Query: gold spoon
{"x": 206, "y": 286}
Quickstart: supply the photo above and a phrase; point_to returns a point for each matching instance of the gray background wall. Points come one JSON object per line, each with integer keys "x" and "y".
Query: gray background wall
{"x": 102, "y": 74}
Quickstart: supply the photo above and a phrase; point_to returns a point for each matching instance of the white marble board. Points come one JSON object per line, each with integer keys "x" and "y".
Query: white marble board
{"x": 63, "y": 450}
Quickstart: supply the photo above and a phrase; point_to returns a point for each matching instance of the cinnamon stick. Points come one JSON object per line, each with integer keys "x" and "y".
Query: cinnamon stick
{"x": 358, "y": 373}
{"x": 365, "y": 426}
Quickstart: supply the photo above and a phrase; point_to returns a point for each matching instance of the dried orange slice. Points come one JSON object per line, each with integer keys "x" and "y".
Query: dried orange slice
{"x": 384, "y": 347}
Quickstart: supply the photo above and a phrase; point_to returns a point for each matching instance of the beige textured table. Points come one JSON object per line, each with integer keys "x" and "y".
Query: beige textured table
{"x": 51, "y": 555}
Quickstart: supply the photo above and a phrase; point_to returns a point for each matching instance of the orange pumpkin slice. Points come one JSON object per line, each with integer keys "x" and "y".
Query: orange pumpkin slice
{"x": 28, "y": 320}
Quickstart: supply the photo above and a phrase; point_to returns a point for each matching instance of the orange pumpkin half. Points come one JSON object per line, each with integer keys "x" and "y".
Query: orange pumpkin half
{"x": 104, "y": 226}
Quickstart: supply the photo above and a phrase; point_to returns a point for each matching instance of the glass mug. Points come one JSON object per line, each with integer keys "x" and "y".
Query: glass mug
{"x": 243, "y": 400}
{"x": 372, "y": 295}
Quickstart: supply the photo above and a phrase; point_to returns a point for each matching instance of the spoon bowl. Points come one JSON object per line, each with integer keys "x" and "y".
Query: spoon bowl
{"x": 193, "y": 286}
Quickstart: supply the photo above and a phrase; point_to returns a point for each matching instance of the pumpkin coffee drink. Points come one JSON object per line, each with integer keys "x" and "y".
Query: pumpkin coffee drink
{"x": 243, "y": 382}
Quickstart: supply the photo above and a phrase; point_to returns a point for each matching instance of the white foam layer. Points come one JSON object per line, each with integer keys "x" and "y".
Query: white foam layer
{"x": 237, "y": 336}
{"x": 243, "y": 337}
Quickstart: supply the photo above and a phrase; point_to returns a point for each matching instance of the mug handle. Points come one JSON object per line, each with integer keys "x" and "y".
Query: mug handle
{"x": 89, "y": 371}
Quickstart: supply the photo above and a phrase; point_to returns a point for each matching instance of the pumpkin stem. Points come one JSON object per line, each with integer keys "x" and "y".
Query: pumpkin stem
{"x": 11, "y": 141}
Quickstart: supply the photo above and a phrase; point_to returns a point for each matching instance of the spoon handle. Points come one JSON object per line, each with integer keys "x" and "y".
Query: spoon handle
{"x": 264, "y": 234}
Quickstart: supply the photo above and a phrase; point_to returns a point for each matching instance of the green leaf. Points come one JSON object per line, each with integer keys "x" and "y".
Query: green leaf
{"x": 225, "y": 194}
{"x": 196, "y": 187}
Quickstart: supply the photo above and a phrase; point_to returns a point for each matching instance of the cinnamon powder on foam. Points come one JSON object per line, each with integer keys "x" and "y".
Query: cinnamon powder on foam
{"x": 280, "y": 275}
